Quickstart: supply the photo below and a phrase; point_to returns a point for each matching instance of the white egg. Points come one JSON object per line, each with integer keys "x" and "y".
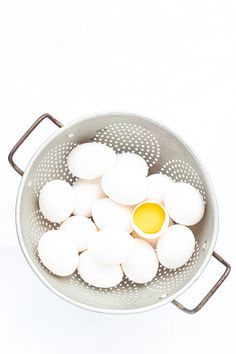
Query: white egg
{"x": 58, "y": 252}
{"x": 91, "y": 160}
{"x": 87, "y": 192}
{"x": 184, "y": 203}
{"x": 80, "y": 229}
{"x": 157, "y": 185}
{"x": 109, "y": 214}
{"x": 56, "y": 200}
{"x": 134, "y": 161}
{"x": 124, "y": 186}
{"x": 142, "y": 264}
{"x": 99, "y": 275}
{"x": 151, "y": 241}
{"x": 175, "y": 247}
{"x": 110, "y": 246}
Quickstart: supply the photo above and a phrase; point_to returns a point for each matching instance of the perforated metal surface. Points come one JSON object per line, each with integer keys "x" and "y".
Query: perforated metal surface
{"x": 165, "y": 281}
{"x": 54, "y": 166}
{"x": 181, "y": 171}
{"x": 127, "y": 137}
{"x": 122, "y": 136}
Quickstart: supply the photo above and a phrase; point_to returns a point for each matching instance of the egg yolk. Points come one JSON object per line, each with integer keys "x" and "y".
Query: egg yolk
{"x": 149, "y": 217}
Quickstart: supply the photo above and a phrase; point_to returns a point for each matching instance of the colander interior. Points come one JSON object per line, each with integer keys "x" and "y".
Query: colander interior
{"x": 164, "y": 152}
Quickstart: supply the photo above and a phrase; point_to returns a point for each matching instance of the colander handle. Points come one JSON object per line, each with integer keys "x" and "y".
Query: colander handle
{"x": 25, "y": 136}
{"x": 211, "y": 292}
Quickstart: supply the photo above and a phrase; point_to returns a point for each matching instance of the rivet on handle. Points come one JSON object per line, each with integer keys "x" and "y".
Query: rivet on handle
{"x": 25, "y": 136}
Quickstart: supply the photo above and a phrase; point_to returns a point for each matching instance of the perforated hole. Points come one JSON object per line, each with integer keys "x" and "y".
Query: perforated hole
{"x": 181, "y": 171}
{"x": 127, "y": 137}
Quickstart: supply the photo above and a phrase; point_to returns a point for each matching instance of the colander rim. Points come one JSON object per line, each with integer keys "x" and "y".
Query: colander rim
{"x": 166, "y": 300}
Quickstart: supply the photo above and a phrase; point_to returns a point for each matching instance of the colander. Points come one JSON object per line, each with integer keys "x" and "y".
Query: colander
{"x": 164, "y": 152}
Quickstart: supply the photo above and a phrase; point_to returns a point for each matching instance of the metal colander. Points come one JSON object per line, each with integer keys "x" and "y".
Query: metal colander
{"x": 164, "y": 152}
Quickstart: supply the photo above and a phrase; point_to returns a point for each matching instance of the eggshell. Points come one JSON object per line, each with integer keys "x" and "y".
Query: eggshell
{"x": 151, "y": 235}
{"x": 99, "y": 275}
{"x": 151, "y": 241}
{"x": 87, "y": 192}
{"x": 58, "y": 252}
{"x": 56, "y": 200}
{"x": 184, "y": 203}
{"x": 176, "y": 246}
{"x": 108, "y": 214}
{"x": 91, "y": 160}
{"x": 134, "y": 161}
{"x": 124, "y": 186}
{"x": 142, "y": 264}
{"x": 110, "y": 246}
{"x": 157, "y": 185}
{"x": 80, "y": 229}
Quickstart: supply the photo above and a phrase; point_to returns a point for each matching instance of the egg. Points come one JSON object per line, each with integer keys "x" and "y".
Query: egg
{"x": 109, "y": 214}
{"x": 184, "y": 203}
{"x": 58, "y": 253}
{"x": 124, "y": 186}
{"x": 142, "y": 264}
{"x": 150, "y": 219}
{"x": 110, "y": 246}
{"x": 56, "y": 200}
{"x": 157, "y": 185}
{"x": 87, "y": 192}
{"x": 134, "y": 161}
{"x": 80, "y": 229}
{"x": 91, "y": 160}
{"x": 99, "y": 275}
{"x": 175, "y": 247}
{"x": 151, "y": 241}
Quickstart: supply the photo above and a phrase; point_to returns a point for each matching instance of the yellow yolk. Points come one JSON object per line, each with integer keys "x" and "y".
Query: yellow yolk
{"x": 149, "y": 217}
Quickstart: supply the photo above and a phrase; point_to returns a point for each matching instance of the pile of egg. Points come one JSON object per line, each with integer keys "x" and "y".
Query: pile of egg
{"x": 116, "y": 220}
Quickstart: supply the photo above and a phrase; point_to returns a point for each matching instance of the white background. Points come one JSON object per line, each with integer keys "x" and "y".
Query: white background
{"x": 171, "y": 60}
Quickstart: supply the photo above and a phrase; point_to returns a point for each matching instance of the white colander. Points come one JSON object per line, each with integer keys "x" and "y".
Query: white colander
{"x": 164, "y": 152}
